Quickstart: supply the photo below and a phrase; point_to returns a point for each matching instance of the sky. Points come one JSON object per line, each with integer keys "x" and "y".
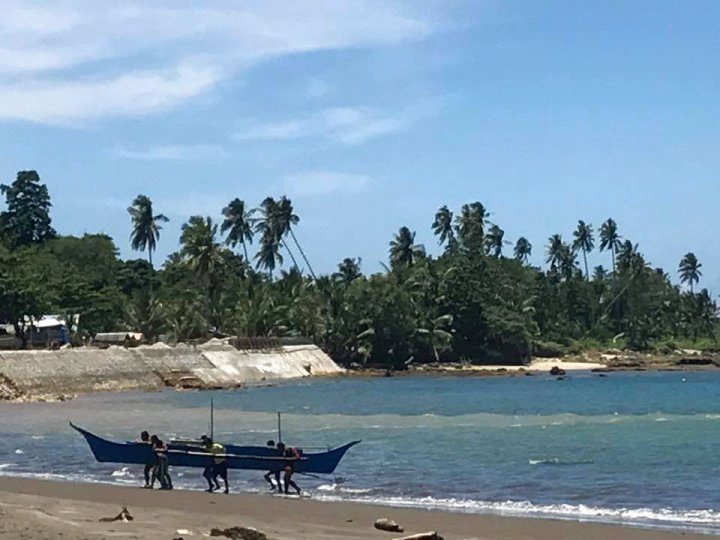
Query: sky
{"x": 370, "y": 115}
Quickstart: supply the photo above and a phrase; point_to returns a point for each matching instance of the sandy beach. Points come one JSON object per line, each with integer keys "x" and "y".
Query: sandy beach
{"x": 32, "y": 509}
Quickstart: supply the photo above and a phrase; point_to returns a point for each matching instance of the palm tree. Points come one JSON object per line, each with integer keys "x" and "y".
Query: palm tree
{"x": 200, "y": 247}
{"x": 555, "y": 251}
{"x": 273, "y": 226}
{"x": 286, "y": 219}
{"x": 629, "y": 259}
{"x": 689, "y": 270}
{"x": 443, "y": 226}
{"x": 609, "y": 239}
{"x": 348, "y": 270}
{"x": 584, "y": 242}
{"x": 238, "y": 225}
{"x": 494, "y": 241}
{"x": 523, "y": 249}
{"x": 566, "y": 260}
{"x": 146, "y": 225}
{"x": 470, "y": 224}
{"x": 403, "y": 249}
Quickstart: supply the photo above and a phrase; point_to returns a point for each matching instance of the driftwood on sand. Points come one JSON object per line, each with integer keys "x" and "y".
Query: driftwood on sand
{"x": 388, "y": 525}
{"x": 422, "y": 536}
{"x": 123, "y": 516}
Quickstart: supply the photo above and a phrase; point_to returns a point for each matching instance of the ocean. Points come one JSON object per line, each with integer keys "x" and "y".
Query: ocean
{"x": 633, "y": 448}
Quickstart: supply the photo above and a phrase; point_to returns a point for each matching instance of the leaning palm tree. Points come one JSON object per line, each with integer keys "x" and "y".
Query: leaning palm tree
{"x": 609, "y": 239}
{"x": 554, "y": 251}
{"x": 238, "y": 224}
{"x": 272, "y": 228}
{"x": 146, "y": 225}
{"x": 443, "y": 226}
{"x": 689, "y": 270}
{"x": 523, "y": 249}
{"x": 494, "y": 241}
{"x": 403, "y": 250}
{"x": 567, "y": 259}
{"x": 286, "y": 219}
{"x": 584, "y": 242}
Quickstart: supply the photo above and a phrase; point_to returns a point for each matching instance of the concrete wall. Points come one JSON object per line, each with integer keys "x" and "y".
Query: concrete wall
{"x": 215, "y": 364}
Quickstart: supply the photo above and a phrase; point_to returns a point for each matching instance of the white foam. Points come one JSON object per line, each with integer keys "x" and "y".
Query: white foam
{"x": 122, "y": 473}
{"x": 19, "y": 451}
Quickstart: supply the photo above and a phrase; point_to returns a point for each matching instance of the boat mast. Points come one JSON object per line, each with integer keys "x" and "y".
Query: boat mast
{"x": 279, "y": 428}
{"x": 212, "y": 420}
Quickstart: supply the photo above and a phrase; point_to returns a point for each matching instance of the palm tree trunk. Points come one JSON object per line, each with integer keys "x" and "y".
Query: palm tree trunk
{"x": 295, "y": 264}
{"x": 312, "y": 273}
{"x": 612, "y": 250}
{"x": 587, "y": 272}
{"x": 247, "y": 260}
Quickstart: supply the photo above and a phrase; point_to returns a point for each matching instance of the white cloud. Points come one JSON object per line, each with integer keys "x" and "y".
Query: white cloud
{"x": 347, "y": 125}
{"x": 319, "y": 182}
{"x": 67, "y": 60}
{"x": 197, "y": 152}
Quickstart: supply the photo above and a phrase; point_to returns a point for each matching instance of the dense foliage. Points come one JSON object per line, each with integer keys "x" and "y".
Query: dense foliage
{"x": 470, "y": 303}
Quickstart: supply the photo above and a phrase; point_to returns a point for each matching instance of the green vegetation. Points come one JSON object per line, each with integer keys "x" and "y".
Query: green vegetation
{"x": 470, "y": 303}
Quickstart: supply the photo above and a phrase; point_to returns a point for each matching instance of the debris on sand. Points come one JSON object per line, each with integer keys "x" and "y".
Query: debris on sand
{"x": 240, "y": 533}
{"x": 388, "y": 525}
{"x": 123, "y": 516}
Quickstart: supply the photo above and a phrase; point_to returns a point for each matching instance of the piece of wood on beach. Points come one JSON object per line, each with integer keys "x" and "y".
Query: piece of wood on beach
{"x": 123, "y": 516}
{"x": 239, "y": 533}
{"x": 422, "y": 536}
{"x": 388, "y": 525}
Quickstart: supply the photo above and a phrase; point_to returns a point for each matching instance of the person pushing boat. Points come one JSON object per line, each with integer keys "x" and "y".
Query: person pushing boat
{"x": 292, "y": 455}
{"x": 145, "y": 439}
{"x": 218, "y": 467}
{"x": 162, "y": 468}
{"x": 275, "y": 471}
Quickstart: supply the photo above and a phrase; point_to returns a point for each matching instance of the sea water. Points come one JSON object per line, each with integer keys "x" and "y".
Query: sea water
{"x": 635, "y": 448}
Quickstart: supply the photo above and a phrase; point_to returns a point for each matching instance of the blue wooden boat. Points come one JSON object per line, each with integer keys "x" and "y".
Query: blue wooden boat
{"x": 256, "y": 458}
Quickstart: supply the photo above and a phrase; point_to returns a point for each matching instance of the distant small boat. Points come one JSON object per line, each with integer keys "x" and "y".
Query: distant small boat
{"x": 255, "y": 458}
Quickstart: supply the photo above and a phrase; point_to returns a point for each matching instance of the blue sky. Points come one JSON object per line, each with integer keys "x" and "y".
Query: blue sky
{"x": 372, "y": 114}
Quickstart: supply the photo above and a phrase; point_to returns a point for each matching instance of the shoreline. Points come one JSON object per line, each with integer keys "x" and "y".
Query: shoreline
{"x": 40, "y": 508}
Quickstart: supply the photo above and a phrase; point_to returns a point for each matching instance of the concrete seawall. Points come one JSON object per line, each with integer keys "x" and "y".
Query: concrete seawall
{"x": 216, "y": 364}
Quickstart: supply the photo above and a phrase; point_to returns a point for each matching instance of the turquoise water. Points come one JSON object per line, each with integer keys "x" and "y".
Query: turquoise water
{"x": 637, "y": 448}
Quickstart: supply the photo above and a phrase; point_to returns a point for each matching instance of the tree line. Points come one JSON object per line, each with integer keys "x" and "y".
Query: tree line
{"x": 471, "y": 303}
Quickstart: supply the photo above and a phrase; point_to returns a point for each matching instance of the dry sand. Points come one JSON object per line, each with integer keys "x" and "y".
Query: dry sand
{"x": 33, "y": 509}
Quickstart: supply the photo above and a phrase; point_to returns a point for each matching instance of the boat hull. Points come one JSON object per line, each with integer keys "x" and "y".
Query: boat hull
{"x": 256, "y": 458}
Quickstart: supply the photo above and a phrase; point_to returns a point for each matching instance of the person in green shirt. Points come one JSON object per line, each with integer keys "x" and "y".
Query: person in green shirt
{"x": 218, "y": 466}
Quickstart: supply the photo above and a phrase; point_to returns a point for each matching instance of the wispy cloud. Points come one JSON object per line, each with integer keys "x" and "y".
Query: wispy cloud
{"x": 197, "y": 152}
{"x": 348, "y": 125}
{"x": 68, "y": 60}
{"x": 320, "y": 182}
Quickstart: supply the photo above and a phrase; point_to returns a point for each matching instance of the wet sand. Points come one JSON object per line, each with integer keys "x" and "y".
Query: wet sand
{"x": 31, "y": 509}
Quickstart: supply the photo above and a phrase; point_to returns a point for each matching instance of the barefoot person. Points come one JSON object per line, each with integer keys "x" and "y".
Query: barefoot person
{"x": 162, "y": 469}
{"x": 294, "y": 455}
{"x": 145, "y": 439}
{"x": 218, "y": 466}
{"x": 275, "y": 471}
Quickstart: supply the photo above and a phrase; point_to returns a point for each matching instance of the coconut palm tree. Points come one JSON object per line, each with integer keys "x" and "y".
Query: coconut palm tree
{"x": 567, "y": 259}
{"x": 470, "y": 225}
{"x": 286, "y": 220}
{"x": 523, "y": 249}
{"x": 238, "y": 224}
{"x": 584, "y": 242}
{"x": 443, "y": 226}
{"x": 403, "y": 250}
{"x": 146, "y": 225}
{"x": 348, "y": 270}
{"x": 554, "y": 251}
{"x": 629, "y": 259}
{"x": 272, "y": 227}
{"x": 609, "y": 239}
{"x": 200, "y": 247}
{"x": 689, "y": 270}
{"x": 494, "y": 241}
